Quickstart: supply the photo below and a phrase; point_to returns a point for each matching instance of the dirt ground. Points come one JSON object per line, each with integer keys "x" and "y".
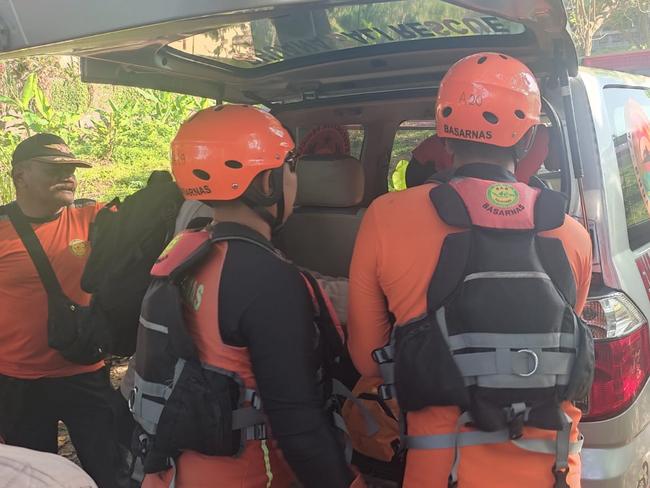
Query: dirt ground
{"x": 118, "y": 370}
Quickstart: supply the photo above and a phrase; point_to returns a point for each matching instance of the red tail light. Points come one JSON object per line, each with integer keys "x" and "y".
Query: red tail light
{"x": 622, "y": 346}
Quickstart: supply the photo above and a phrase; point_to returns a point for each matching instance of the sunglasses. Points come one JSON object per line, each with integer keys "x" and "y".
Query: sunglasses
{"x": 292, "y": 161}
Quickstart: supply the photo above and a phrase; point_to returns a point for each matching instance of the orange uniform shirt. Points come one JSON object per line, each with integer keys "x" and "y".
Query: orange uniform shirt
{"x": 395, "y": 255}
{"x": 24, "y": 352}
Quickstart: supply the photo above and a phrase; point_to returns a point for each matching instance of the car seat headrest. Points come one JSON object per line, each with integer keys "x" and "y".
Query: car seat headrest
{"x": 330, "y": 181}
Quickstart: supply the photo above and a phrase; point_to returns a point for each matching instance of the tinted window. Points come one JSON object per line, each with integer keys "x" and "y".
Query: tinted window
{"x": 629, "y": 114}
{"x": 308, "y": 32}
{"x": 409, "y": 134}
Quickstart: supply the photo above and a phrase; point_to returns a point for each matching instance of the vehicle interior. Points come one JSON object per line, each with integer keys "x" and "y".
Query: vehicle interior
{"x": 335, "y": 188}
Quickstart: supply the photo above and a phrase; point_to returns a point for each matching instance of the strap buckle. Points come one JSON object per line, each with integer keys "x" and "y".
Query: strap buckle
{"x": 560, "y": 474}
{"x": 383, "y": 355}
{"x": 516, "y": 416}
{"x": 385, "y": 392}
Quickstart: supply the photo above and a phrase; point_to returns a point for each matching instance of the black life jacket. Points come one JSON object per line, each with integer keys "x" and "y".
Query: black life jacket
{"x": 500, "y": 338}
{"x": 183, "y": 404}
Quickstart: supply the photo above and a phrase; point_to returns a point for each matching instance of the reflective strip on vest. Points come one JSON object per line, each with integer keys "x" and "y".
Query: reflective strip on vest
{"x": 153, "y": 326}
{"x": 537, "y": 275}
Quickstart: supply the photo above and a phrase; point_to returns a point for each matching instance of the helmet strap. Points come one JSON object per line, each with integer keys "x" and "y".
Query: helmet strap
{"x": 521, "y": 149}
{"x": 258, "y": 202}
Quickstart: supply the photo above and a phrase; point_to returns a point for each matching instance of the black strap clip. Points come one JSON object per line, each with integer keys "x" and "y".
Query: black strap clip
{"x": 382, "y": 355}
{"x": 560, "y": 475}
{"x": 385, "y": 392}
{"x": 516, "y": 416}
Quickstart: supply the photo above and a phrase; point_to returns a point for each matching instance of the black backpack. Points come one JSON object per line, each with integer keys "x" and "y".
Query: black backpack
{"x": 126, "y": 239}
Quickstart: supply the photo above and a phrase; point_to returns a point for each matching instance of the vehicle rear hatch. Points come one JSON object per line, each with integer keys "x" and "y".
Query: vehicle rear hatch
{"x": 271, "y": 52}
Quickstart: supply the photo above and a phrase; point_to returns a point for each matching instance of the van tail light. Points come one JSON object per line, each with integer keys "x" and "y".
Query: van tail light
{"x": 622, "y": 347}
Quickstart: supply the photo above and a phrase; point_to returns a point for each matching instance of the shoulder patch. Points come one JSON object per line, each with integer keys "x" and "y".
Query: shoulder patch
{"x": 184, "y": 250}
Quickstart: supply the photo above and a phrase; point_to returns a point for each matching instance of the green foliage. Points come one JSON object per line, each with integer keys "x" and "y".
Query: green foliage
{"x": 125, "y": 138}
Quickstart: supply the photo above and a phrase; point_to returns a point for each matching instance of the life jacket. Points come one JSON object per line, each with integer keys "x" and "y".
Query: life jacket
{"x": 184, "y": 404}
{"x": 500, "y": 338}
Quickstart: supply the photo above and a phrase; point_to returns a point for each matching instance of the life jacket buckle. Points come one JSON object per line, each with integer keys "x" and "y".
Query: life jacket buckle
{"x": 382, "y": 355}
{"x": 561, "y": 475}
{"x": 516, "y": 416}
{"x": 385, "y": 392}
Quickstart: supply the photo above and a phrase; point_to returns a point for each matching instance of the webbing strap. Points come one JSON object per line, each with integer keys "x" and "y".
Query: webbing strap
{"x": 549, "y": 446}
{"x": 562, "y": 450}
{"x": 339, "y": 388}
{"x": 339, "y": 423}
{"x": 246, "y": 417}
{"x": 561, "y": 447}
{"x": 387, "y": 371}
{"x": 520, "y": 363}
{"x": 477, "y": 438}
{"x": 512, "y": 341}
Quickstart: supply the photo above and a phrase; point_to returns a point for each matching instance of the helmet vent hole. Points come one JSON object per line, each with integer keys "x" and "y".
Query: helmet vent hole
{"x": 446, "y": 112}
{"x": 231, "y": 163}
{"x": 503, "y": 56}
{"x": 202, "y": 175}
{"x": 490, "y": 117}
{"x": 520, "y": 114}
{"x": 482, "y": 59}
{"x": 218, "y": 108}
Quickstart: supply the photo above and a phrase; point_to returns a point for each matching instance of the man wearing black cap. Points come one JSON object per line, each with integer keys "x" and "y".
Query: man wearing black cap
{"x": 38, "y": 386}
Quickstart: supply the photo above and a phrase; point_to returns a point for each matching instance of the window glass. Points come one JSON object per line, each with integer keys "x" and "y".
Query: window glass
{"x": 629, "y": 114}
{"x": 309, "y": 32}
{"x": 408, "y": 136}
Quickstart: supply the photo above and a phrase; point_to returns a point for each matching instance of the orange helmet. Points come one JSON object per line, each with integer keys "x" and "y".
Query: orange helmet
{"x": 219, "y": 151}
{"x": 488, "y": 97}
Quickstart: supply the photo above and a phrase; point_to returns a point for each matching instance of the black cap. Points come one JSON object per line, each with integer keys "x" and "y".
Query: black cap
{"x": 46, "y": 148}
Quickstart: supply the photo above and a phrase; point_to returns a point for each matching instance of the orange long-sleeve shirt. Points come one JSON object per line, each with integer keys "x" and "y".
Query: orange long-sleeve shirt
{"x": 395, "y": 256}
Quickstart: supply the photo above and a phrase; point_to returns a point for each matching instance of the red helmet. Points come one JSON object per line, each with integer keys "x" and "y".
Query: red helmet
{"x": 219, "y": 151}
{"x": 489, "y": 98}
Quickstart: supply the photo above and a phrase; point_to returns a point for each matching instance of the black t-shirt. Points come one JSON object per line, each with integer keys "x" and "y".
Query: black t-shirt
{"x": 264, "y": 305}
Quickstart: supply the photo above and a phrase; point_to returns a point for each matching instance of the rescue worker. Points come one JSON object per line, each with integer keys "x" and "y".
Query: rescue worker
{"x": 38, "y": 386}
{"x": 428, "y": 158}
{"x": 412, "y": 244}
{"x": 249, "y": 312}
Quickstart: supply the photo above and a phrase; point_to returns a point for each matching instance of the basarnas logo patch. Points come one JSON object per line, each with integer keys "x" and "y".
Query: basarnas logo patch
{"x": 79, "y": 247}
{"x": 172, "y": 244}
{"x": 502, "y": 199}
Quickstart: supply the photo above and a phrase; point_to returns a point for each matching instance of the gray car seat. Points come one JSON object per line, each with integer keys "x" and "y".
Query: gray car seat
{"x": 321, "y": 232}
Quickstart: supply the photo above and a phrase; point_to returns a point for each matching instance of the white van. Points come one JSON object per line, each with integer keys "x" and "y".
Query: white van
{"x": 371, "y": 69}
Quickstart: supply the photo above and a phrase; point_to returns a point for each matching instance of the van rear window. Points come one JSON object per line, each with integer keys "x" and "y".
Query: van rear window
{"x": 311, "y": 31}
{"x": 629, "y": 113}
